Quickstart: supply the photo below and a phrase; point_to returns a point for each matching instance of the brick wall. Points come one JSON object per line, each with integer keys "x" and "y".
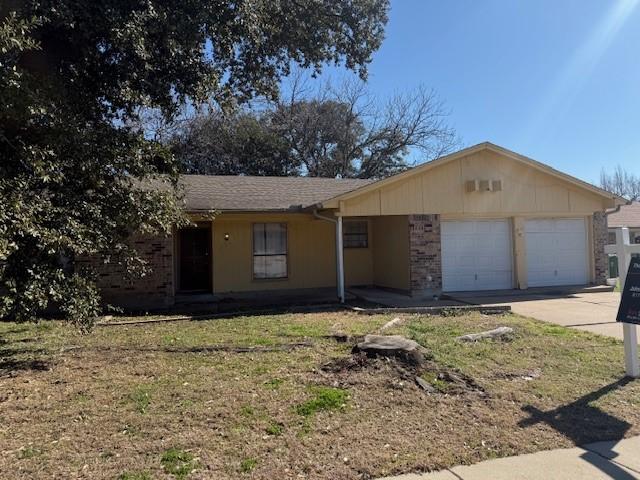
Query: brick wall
{"x": 425, "y": 261}
{"x": 154, "y": 290}
{"x": 600, "y": 234}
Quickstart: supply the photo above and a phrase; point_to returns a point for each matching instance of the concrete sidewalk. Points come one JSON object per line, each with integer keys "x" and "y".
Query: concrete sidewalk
{"x": 618, "y": 460}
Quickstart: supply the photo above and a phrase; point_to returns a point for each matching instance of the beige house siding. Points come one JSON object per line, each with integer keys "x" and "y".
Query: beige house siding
{"x": 443, "y": 190}
{"x": 310, "y": 260}
{"x": 391, "y": 252}
{"x": 358, "y": 262}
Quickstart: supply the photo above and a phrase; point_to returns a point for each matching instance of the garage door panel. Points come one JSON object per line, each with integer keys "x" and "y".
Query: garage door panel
{"x": 464, "y": 243}
{"x": 476, "y": 255}
{"x": 463, "y": 282}
{"x": 539, "y": 226}
{"x": 494, "y": 280}
{"x": 556, "y": 252}
{"x": 571, "y": 225}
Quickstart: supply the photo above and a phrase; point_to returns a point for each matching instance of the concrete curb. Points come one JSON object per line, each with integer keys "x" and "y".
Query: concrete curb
{"x": 446, "y": 310}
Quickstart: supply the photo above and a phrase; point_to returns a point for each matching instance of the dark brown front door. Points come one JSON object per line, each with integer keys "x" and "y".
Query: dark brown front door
{"x": 195, "y": 259}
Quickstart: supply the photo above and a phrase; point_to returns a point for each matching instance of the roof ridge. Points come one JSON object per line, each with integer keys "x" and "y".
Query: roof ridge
{"x": 279, "y": 177}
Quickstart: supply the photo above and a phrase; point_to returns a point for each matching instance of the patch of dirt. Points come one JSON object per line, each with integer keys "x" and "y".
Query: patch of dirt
{"x": 10, "y": 367}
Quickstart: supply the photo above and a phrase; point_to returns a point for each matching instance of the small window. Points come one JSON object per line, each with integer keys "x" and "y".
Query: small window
{"x": 356, "y": 234}
{"x": 269, "y": 250}
{"x": 611, "y": 238}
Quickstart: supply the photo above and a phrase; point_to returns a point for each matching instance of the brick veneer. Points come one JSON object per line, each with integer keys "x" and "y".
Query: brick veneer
{"x": 154, "y": 290}
{"x": 600, "y": 237}
{"x": 425, "y": 261}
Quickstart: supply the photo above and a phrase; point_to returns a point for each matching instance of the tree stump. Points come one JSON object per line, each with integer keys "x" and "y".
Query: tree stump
{"x": 396, "y": 346}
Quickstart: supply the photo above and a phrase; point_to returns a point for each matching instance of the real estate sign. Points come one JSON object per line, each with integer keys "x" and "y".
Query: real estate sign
{"x": 629, "y": 311}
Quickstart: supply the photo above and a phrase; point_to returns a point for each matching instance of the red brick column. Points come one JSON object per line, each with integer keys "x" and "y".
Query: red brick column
{"x": 600, "y": 236}
{"x": 425, "y": 261}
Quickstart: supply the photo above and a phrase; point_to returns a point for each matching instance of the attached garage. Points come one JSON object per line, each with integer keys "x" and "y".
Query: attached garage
{"x": 476, "y": 255}
{"x": 557, "y": 252}
{"x": 486, "y": 218}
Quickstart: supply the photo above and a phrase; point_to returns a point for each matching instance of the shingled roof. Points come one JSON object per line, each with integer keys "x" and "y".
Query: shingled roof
{"x": 243, "y": 193}
{"x": 625, "y": 216}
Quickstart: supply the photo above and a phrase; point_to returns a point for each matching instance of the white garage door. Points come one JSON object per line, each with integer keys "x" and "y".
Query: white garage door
{"x": 556, "y": 252}
{"x": 476, "y": 255}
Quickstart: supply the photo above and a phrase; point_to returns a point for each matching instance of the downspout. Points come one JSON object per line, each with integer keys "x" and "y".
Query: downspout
{"x": 339, "y": 252}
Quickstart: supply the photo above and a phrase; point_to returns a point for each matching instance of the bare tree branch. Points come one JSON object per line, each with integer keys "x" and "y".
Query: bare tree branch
{"x": 621, "y": 182}
{"x": 337, "y": 131}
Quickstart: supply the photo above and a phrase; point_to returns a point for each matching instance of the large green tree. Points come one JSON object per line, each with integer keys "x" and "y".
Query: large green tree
{"x": 74, "y": 74}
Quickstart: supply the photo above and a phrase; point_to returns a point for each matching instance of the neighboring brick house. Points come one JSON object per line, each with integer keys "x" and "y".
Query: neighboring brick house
{"x": 624, "y": 216}
{"x": 483, "y": 218}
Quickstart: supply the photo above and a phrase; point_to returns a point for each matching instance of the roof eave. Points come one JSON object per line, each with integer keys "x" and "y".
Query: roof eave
{"x": 196, "y": 211}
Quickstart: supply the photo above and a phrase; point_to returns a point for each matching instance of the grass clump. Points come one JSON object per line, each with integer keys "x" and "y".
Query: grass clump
{"x": 325, "y": 398}
{"x": 141, "y": 398}
{"x": 274, "y": 383}
{"x": 248, "y": 464}
{"x": 135, "y": 476}
{"x": 178, "y": 463}
{"x": 274, "y": 429}
{"x": 437, "y": 383}
{"x": 28, "y": 452}
{"x": 247, "y": 411}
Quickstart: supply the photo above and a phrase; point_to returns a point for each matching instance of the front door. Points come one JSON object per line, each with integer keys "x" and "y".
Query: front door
{"x": 195, "y": 259}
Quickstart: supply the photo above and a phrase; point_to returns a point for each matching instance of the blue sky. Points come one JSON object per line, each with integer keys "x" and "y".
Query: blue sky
{"x": 556, "y": 80}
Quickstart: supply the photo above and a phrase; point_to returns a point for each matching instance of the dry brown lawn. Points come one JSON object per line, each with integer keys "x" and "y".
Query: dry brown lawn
{"x": 166, "y": 400}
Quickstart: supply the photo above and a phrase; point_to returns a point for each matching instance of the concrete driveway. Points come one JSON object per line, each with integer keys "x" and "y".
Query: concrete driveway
{"x": 592, "y": 311}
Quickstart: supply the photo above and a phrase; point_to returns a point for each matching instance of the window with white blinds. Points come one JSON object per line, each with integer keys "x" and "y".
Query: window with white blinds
{"x": 269, "y": 250}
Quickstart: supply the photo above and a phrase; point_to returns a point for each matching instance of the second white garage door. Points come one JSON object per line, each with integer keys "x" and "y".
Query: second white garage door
{"x": 476, "y": 255}
{"x": 556, "y": 252}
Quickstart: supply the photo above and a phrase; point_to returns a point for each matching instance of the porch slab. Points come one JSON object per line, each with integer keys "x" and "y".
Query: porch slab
{"x": 394, "y": 299}
{"x": 238, "y": 301}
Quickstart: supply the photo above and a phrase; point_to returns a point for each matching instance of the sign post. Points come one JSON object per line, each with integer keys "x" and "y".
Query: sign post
{"x": 629, "y": 311}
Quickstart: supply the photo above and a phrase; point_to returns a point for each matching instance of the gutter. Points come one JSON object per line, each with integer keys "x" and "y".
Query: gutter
{"x": 339, "y": 251}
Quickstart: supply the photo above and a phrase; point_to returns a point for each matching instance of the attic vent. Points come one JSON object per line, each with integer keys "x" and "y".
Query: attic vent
{"x": 484, "y": 185}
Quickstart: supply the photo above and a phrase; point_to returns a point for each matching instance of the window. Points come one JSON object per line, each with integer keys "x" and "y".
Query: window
{"x": 611, "y": 238}
{"x": 356, "y": 234}
{"x": 269, "y": 250}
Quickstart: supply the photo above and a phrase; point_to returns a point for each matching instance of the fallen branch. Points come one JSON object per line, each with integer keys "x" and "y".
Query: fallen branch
{"x": 205, "y": 348}
{"x": 392, "y": 323}
{"x": 496, "y": 333}
{"x": 426, "y": 386}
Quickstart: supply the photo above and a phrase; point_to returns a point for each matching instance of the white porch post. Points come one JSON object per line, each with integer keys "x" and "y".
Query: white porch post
{"x": 631, "y": 361}
{"x": 340, "y": 260}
